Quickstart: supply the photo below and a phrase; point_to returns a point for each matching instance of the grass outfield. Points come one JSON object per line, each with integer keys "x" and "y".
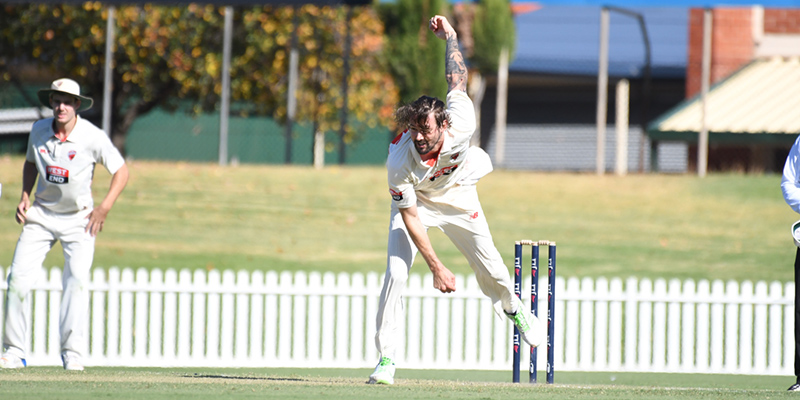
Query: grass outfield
{"x": 199, "y": 384}
{"x": 183, "y": 215}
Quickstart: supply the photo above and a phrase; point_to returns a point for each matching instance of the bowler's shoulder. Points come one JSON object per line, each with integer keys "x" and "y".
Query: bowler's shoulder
{"x": 458, "y": 96}
{"x": 399, "y": 151}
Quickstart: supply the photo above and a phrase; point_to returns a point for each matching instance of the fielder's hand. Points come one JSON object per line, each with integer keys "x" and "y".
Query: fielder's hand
{"x": 96, "y": 220}
{"x": 22, "y": 210}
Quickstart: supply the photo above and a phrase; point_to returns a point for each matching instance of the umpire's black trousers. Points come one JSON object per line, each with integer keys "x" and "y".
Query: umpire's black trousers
{"x": 797, "y": 315}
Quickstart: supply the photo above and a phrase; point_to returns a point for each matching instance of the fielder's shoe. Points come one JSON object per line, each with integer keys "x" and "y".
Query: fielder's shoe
{"x": 530, "y": 328}
{"x": 794, "y": 388}
{"x": 384, "y": 372}
{"x": 12, "y": 361}
{"x": 72, "y": 363}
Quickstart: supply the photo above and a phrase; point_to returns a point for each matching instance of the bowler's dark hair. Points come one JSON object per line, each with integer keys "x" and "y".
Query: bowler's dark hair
{"x": 416, "y": 113}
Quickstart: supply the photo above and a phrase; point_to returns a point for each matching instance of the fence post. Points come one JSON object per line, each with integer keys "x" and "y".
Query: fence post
{"x": 156, "y": 284}
{"x": 300, "y": 331}
{"x": 241, "y": 345}
{"x": 731, "y": 326}
{"x": 98, "y": 317}
{"x": 205, "y": 318}
{"x": 587, "y": 321}
{"x": 141, "y": 315}
{"x": 256, "y": 317}
{"x": 170, "y": 315}
{"x": 674, "y": 326}
{"x": 214, "y": 316}
{"x": 227, "y": 318}
{"x": 659, "y": 325}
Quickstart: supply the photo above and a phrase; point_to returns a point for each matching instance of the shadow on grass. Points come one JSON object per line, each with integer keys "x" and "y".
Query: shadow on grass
{"x": 254, "y": 378}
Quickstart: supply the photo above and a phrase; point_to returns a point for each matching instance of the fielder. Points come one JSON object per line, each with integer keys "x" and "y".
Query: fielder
{"x": 432, "y": 173}
{"x": 62, "y": 152}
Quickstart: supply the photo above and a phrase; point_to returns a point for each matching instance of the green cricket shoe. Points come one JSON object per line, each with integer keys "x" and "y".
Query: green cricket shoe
{"x": 384, "y": 372}
{"x": 531, "y": 329}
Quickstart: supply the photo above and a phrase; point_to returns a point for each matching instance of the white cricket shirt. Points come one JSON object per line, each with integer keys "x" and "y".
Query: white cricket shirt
{"x": 66, "y": 168}
{"x": 410, "y": 176}
{"x": 790, "y": 183}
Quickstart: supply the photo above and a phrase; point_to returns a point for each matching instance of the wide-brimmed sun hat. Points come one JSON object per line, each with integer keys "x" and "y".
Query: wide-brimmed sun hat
{"x": 796, "y": 233}
{"x": 68, "y": 86}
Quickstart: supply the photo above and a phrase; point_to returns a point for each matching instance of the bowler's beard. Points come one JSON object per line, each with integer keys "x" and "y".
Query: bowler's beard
{"x": 424, "y": 146}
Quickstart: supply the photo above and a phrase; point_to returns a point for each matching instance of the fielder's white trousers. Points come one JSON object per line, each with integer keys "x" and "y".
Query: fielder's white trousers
{"x": 468, "y": 230}
{"x": 41, "y": 231}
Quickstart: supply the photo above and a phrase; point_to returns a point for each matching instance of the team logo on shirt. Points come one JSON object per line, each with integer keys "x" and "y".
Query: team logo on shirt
{"x": 396, "y": 196}
{"x": 71, "y": 154}
{"x": 444, "y": 171}
{"x": 57, "y": 175}
{"x": 454, "y": 157}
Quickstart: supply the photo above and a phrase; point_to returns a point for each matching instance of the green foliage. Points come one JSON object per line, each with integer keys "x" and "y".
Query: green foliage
{"x": 493, "y": 29}
{"x": 415, "y": 55}
{"x": 321, "y": 33}
{"x": 170, "y": 55}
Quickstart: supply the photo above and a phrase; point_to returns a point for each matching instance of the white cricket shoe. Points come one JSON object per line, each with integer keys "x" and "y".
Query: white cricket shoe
{"x": 12, "y": 361}
{"x": 384, "y": 372}
{"x": 72, "y": 363}
{"x": 530, "y": 328}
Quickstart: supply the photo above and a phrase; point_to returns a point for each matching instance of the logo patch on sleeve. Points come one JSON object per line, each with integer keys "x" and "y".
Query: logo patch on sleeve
{"x": 396, "y": 196}
{"x": 57, "y": 175}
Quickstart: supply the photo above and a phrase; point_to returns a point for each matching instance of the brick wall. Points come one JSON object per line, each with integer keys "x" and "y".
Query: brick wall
{"x": 731, "y": 44}
{"x": 778, "y": 21}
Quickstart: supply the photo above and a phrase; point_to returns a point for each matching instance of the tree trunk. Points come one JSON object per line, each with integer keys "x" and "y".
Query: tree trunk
{"x": 319, "y": 149}
{"x": 122, "y": 121}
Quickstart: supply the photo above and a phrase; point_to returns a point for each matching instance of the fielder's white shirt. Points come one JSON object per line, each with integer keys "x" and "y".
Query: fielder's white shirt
{"x": 457, "y": 163}
{"x": 66, "y": 168}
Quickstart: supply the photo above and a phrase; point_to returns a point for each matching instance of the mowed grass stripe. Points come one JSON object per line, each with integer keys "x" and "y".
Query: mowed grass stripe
{"x": 206, "y": 383}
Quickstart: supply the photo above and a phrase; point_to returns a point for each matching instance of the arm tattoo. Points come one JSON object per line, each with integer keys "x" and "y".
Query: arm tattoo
{"x": 455, "y": 70}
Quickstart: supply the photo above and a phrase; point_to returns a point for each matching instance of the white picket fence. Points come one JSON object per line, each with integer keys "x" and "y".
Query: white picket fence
{"x": 230, "y": 319}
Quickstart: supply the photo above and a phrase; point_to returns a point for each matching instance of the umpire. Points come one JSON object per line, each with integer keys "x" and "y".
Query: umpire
{"x": 62, "y": 151}
{"x": 790, "y": 185}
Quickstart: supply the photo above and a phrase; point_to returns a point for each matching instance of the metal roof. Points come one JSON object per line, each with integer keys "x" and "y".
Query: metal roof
{"x": 762, "y": 97}
{"x": 565, "y": 40}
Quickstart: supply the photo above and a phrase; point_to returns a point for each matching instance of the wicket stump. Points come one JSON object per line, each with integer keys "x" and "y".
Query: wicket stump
{"x": 551, "y": 301}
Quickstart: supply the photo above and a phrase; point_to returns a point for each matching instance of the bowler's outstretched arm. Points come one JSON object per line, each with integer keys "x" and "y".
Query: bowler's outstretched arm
{"x": 455, "y": 69}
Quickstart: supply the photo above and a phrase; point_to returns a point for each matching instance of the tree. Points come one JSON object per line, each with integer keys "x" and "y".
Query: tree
{"x": 415, "y": 56}
{"x": 321, "y": 32}
{"x": 493, "y": 29}
{"x": 170, "y": 56}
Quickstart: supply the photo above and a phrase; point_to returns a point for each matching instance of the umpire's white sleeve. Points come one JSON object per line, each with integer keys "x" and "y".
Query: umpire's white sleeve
{"x": 790, "y": 185}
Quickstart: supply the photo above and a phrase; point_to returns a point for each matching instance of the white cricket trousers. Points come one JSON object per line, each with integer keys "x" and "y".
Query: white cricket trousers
{"x": 41, "y": 231}
{"x": 469, "y": 231}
